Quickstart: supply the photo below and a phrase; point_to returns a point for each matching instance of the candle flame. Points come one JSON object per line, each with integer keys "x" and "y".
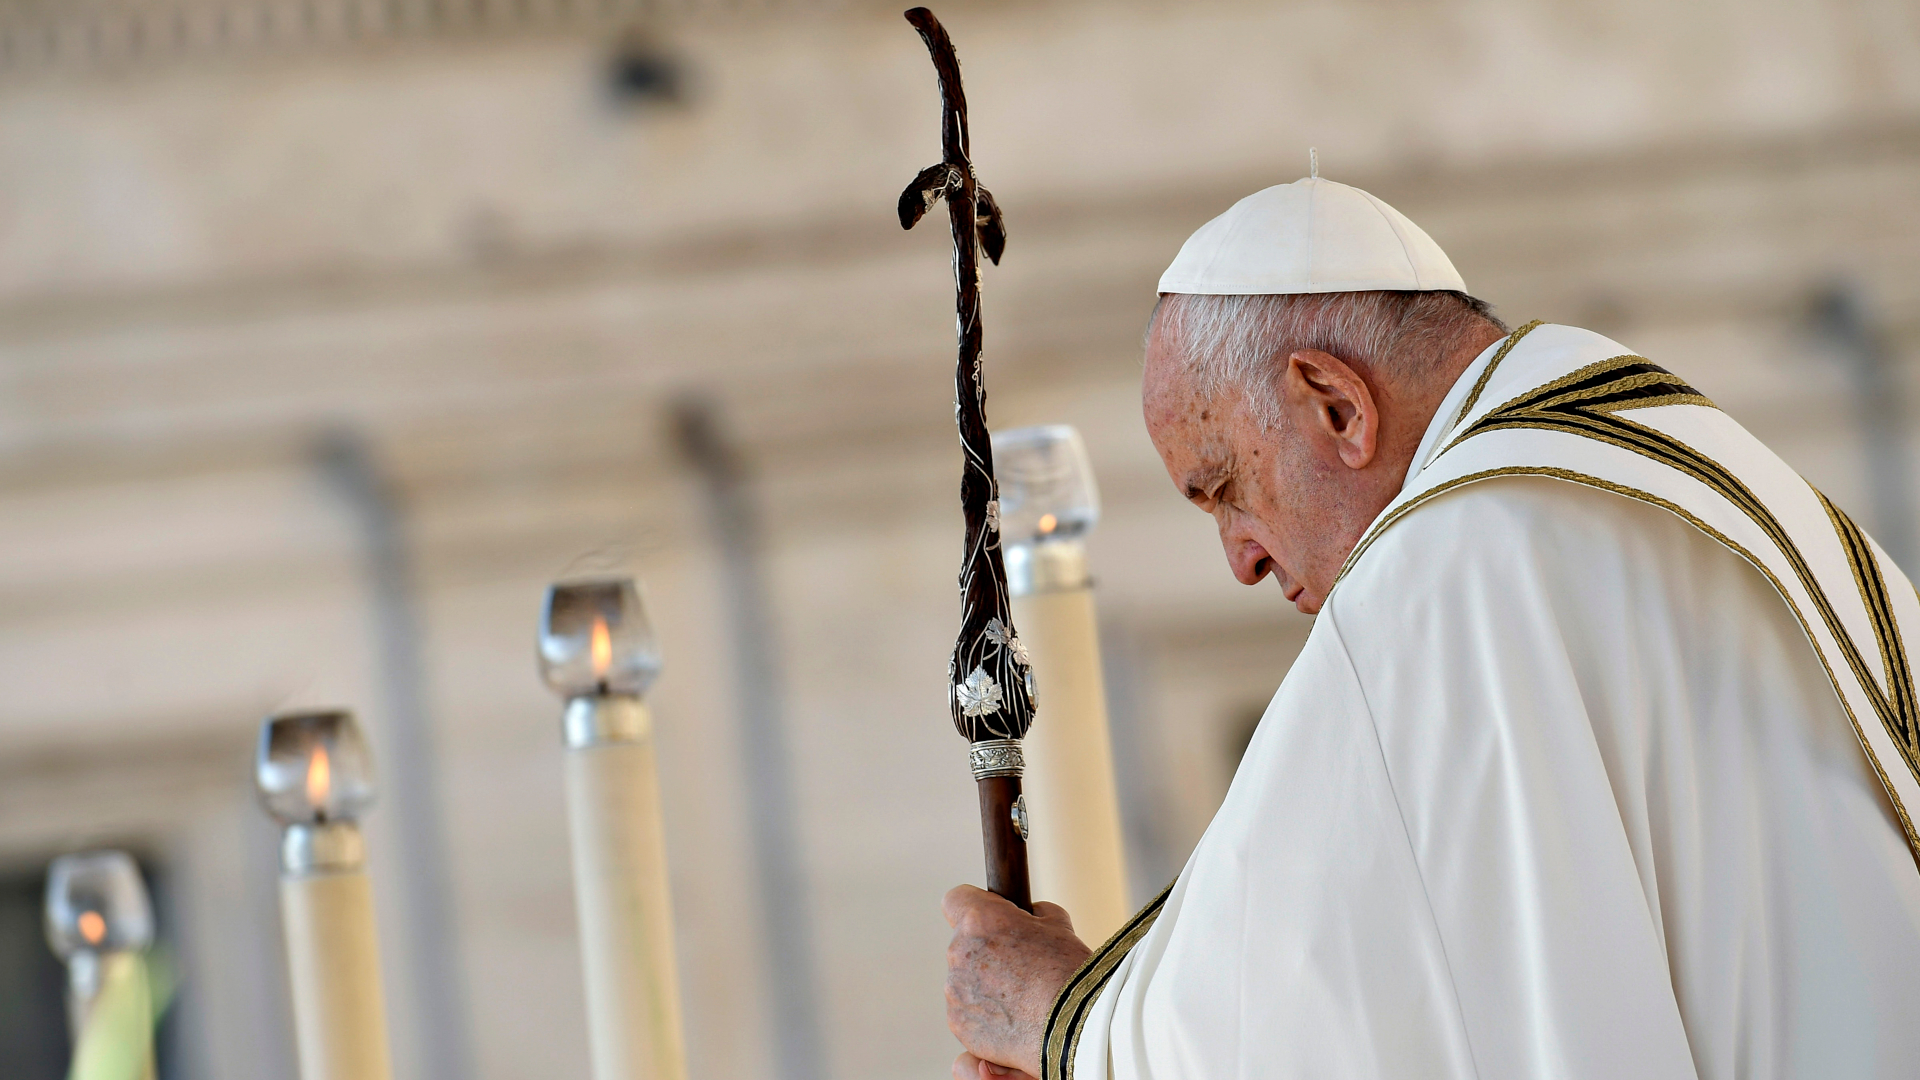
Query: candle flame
{"x": 93, "y": 927}
{"x": 602, "y": 648}
{"x": 319, "y": 777}
{"x": 1048, "y": 523}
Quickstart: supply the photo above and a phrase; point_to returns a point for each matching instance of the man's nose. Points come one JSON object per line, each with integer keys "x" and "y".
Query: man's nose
{"x": 1250, "y": 562}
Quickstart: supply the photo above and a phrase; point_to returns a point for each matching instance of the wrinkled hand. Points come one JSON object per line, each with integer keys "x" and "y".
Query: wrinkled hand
{"x": 1004, "y": 968}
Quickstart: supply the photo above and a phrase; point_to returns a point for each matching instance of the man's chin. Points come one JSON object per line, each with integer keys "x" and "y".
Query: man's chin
{"x": 1303, "y": 601}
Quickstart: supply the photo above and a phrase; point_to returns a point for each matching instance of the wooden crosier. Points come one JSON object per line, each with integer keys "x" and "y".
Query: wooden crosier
{"x": 991, "y": 679}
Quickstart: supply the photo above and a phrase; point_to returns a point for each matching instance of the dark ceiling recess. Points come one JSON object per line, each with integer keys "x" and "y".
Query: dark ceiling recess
{"x": 645, "y": 72}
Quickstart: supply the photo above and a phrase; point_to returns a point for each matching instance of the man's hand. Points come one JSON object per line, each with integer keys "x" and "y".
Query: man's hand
{"x": 1004, "y": 969}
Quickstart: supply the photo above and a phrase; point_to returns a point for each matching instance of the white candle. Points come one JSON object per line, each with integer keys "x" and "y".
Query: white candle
{"x": 597, "y": 649}
{"x": 1048, "y": 503}
{"x": 315, "y": 776}
{"x": 100, "y": 922}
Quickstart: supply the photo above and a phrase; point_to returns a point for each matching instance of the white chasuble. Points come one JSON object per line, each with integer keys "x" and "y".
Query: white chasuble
{"x": 1598, "y": 762}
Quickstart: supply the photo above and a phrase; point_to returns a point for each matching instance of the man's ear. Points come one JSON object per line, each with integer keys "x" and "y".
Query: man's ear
{"x": 1329, "y": 401}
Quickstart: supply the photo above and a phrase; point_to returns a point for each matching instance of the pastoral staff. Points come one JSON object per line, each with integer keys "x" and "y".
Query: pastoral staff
{"x": 1601, "y": 759}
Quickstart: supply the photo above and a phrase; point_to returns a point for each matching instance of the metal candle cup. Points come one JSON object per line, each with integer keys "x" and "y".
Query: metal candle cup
{"x": 315, "y": 776}
{"x": 597, "y": 651}
{"x": 1048, "y": 503}
{"x": 100, "y": 923}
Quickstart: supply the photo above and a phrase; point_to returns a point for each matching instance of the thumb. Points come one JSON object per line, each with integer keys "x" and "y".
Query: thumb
{"x": 1052, "y": 912}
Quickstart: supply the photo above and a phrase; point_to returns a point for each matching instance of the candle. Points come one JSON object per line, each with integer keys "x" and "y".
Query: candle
{"x": 316, "y": 777}
{"x": 1048, "y": 502}
{"x": 597, "y": 651}
{"x": 100, "y": 923}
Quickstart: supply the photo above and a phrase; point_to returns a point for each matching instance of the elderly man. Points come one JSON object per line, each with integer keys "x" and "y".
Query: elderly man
{"x": 1598, "y": 762}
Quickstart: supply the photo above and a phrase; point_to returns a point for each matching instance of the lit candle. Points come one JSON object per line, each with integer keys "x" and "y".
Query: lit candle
{"x": 597, "y": 650}
{"x": 100, "y": 923}
{"x": 1048, "y": 502}
{"x": 316, "y": 778}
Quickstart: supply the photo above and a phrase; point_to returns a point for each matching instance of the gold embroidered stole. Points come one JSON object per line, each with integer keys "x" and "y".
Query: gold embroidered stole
{"x": 1694, "y": 463}
{"x": 1846, "y": 594}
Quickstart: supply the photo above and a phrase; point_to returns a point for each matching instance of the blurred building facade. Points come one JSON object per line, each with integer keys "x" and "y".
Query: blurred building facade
{"x": 491, "y": 247}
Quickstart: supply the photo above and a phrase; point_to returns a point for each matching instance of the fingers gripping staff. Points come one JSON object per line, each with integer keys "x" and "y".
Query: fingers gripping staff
{"x": 990, "y": 676}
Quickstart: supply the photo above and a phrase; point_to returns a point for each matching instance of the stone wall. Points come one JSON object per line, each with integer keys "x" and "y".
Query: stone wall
{"x": 456, "y": 243}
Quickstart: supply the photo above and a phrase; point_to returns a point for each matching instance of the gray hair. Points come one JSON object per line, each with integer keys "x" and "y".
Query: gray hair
{"x": 1242, "y": 342}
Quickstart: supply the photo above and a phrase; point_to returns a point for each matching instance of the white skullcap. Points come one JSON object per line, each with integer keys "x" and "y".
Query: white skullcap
{"x": 1310, "y": 236}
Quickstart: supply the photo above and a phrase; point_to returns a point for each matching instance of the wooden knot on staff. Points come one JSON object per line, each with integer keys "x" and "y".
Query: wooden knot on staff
{"x": 990, "y": 677}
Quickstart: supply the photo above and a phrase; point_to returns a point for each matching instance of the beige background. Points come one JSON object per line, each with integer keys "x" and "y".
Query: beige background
{"x": 442, "y": 234}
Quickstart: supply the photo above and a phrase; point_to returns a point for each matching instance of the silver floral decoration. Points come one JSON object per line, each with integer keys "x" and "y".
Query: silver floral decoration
{"x": 979, "y": 694}
{"x": 998, "y": 633}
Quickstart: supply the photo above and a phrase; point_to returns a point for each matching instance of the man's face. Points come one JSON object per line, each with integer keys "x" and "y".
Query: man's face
{"x": 1285, "y": 502}
{"x": 1224, "y": 464}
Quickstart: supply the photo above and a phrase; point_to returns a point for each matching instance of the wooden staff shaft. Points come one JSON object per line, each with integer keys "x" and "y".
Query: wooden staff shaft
{"x": 1006, "y": 850}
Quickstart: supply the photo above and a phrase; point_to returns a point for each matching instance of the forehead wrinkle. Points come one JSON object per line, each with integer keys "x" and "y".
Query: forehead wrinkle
{"x": 1190, "y": 418}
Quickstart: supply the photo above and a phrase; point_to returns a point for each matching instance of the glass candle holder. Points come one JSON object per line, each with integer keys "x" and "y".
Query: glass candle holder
{"x": 1047, "y": 491}
{"x": 595, "y": 639}
{"x": 97, "y": 902}
{"x": 1048, "y": 504}
{"x": 314, "y": 768}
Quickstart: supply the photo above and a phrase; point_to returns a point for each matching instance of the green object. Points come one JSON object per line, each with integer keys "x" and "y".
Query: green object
{"x": 117, "y": 1041}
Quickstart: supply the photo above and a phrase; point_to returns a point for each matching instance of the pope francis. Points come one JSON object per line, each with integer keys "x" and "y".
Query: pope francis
{"x": 1601, "y": 758}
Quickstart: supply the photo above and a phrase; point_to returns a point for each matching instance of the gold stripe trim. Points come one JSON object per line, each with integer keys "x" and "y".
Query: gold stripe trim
{"x": 1071, "y": 1008}
{"x": 1480, "y": 384}
{"x": 1568, "y": 393}
{"x": 1896, "y": 668}
{"x": 1656, "y": 402}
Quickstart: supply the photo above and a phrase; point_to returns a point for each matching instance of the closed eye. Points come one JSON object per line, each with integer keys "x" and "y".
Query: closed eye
{"x": 1203, "y": 490}
{"x": 1205, "y": 498}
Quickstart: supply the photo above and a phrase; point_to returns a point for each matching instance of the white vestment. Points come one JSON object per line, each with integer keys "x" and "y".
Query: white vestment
{"x": 1558, "y": 786}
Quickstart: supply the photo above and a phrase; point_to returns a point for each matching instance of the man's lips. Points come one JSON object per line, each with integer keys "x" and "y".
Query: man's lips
{"x": 1289, "y": 588}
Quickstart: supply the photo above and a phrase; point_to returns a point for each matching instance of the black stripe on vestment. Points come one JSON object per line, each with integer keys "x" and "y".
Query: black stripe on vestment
{"x": 1071, "y": 1008}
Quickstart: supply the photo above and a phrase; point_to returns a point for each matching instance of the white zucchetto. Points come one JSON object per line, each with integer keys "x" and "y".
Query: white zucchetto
{"x": 1310, "y": 236}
